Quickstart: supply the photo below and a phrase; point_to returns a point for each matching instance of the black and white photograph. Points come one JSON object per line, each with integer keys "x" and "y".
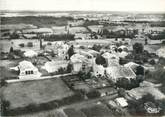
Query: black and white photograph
{"x": 82, "y": 58}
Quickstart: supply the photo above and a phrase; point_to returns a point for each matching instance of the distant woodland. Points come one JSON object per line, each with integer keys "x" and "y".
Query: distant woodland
{"x": 40, "y": 21}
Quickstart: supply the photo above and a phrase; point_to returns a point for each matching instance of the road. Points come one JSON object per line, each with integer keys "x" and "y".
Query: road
{"x": 41, "y": 78}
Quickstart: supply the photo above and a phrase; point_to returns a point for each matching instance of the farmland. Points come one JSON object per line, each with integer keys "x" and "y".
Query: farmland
{"x": 23, "y": 93}
{"x": 42, "y": 21}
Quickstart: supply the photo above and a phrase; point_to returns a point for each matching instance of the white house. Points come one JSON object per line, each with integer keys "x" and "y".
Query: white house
{"x": 77, "y": 61}
{"x": 54, "y": 66}
{"x": 122, "y": 102}
{"x": 161, "y": 52}
{"x": 98, "y": 70}
{"x": 28, "y": 70}
{"x": 111, "y": 59}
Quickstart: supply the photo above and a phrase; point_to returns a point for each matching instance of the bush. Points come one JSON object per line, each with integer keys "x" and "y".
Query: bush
{"x": 82, "y": 47}
{"x": 3, "y": 83}
{"x": 69, "y": 68}
{"x": 5, "y": 107}
{"x": 22, "y": 45}
{"x": 93, "y": 94}
{"x": 152, "y": 62}
{"x": 30, "y": 44}
{"x": 96, "y": 47}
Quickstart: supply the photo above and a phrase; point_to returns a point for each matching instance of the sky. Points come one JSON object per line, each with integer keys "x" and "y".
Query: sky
{"x": 84, "y": 5}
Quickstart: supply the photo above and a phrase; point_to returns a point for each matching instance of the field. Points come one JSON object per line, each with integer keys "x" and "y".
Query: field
{"x": 24, "y": 93}
{"x": 97, "y": 111}
{"x": 51, "y": 113}
{"x": 41, "y": 21}
{"x": 5, "y": 71}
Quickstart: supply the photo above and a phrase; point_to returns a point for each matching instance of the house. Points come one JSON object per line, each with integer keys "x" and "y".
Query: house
{"x": 30, "y": 36}
{"x": 54, "y": 66}
{"x": 107, "y": 91}
{"x": 30, "y": 53}
{"x": 116, "y": 72}
{"x": 28, "y": 70}
{"x": 161, "y": 52}
{"x": 122, "y": 54}
{"x": 122, "y": 102}
{"x": 98, "y": 70}
{"x": 151, "y": 108}
{"x": 111, "y": 59}
{"x": 77, "y": 60}
{"x": 131, "y": 65}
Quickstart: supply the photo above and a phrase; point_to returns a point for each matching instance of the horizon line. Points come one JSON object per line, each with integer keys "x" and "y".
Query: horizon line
{"x": 6, "y": 10}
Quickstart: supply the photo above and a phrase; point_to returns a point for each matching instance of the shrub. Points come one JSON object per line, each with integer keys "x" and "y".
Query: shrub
{"x": 82, "y": 47}
{"x": 152, "y": 62}
{"x": 96, "y": 47}
{"x": 22, "y": 45}
{"x": 5, "y": 107}
{"x": 93, "y": 94}
{"x": 3, "y": 83}
{"x": 30, "y": 44}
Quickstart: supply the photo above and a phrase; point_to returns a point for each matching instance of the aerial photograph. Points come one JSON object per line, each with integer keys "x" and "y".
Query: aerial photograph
{"x": 82, "y": 58}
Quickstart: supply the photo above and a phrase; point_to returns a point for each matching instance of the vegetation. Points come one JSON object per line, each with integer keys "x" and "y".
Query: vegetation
{"x": 3, "y": 82}
{"x": 83, "y": 75}
{"x": 138, "y": 48}
{"x": 60, "y": 37}
{"x": 128, "y": 84}
{"x": 40, "y": 21}
{"x": 22, "y": 45}
{"x": 117, "y": 34}
{"x": 71, "y": 51}
{"x": 14, "y": 36}
{"x": 31, "y": 108}
{"x": 96, "y": 47}
{"x": 93, "y": 94}
{"x": 100, "y": 60}
{"x": 136, "y": 107}
{"x": 158, "y": 76}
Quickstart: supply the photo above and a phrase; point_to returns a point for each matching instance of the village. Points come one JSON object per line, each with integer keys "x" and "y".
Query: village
{"x": 85, "y": 68}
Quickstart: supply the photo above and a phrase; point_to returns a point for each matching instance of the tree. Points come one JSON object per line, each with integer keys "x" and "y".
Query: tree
{"x": 11, "y": 49}
{"x": 96, "y": 47}
{"x": 139, "y": 70}
{"x": 3, "y": 82}
{"x": 93, "y": 94}
{"x": 100, "y": 60}
{"x": 71, "y": 51}
{"x": 138, "y": 48}
{"x": 5, "y": 106}
{"x": 152, "y": 62}
{"x": 120, "y": 50}
{"x": 123, "y": 83}
{"x": 121, "y": 92}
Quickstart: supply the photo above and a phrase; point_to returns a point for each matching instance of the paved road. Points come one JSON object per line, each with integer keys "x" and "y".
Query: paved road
{"x": 41, "y": 78}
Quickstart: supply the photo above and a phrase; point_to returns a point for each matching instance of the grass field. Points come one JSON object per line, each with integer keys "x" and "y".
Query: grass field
{"x": 51, "y": 113}
{"x": 97, "y": 111}
{"x": 24, "y": 93}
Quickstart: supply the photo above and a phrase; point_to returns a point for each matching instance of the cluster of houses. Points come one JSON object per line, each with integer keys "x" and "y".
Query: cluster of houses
{"x": 83, "y": 59}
